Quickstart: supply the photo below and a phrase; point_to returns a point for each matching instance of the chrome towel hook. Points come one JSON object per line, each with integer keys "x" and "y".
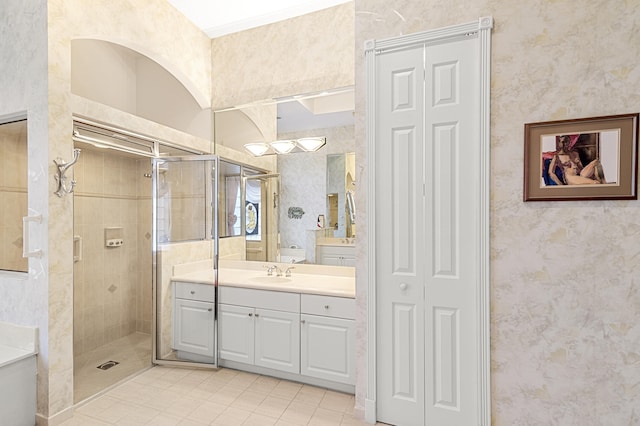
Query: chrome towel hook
{"x": 60, "y": 177}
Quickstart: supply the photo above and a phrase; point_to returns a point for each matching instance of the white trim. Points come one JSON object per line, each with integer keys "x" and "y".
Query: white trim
{"x": 11, "y": 117}
{"x": 372, "y": 48}
{"x": 370, "y": 396}
{"x": 370, "y": 411}
{"x": 484, "y": 264}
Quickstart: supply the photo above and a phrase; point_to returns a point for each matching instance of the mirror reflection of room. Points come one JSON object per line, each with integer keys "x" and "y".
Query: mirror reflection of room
{"x": 317, "y": 183}
{"x": 13, "y": 189}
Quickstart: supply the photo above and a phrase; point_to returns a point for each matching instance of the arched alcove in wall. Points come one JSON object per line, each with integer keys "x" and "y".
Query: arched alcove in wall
{"x": 130, "y": 81}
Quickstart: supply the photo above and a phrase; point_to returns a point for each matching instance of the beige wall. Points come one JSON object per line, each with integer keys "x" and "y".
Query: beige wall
{"x": 23, "y": 89}
{"x": 565, "y": 331}
{"x": 306, "y": 54}
{"x": 122, "y": 78}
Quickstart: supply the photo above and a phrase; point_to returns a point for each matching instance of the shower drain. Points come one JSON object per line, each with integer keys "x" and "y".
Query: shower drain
{"x": 107, "y": 365}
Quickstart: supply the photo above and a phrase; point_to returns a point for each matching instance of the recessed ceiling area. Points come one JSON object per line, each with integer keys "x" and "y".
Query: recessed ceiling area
{"x": 317, "y": 112}
{"x": 217, "y": 18}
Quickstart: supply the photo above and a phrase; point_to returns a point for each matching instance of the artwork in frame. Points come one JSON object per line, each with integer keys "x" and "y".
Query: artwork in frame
{"x": 581, "y": 159}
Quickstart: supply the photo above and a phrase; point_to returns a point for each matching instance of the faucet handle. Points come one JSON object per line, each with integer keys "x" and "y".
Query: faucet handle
{"x": 287, "y": 273}
{"x": 269, "y": 269}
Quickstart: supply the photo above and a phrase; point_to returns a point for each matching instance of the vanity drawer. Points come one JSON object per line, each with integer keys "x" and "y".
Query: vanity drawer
{"x": 274, "y": 300}
{"x": 328, "y": 306}
{"x": 194, "y": 291}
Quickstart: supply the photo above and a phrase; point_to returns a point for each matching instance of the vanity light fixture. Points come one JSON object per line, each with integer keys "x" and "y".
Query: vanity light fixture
{"x": 283, "y": 147}
{"x": 257, "y": 149}
{"x": 311, "y": 144}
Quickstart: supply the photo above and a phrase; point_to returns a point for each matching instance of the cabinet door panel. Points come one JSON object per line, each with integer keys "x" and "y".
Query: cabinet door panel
{"x": 193, "y": 327}
{"x": 235, "y": 333}
{"x": 328, "y": 348}
{"x": 277, "y": 340}
{"x": 331, "y": 259}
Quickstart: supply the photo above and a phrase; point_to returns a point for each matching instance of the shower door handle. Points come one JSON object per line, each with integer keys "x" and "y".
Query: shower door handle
{"x": 77, "y": 248}
{"x": 26, "y": 243}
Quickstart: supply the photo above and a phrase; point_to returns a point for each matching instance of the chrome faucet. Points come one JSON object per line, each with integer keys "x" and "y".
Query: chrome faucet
{"x": 287, "y": 273}
{"x": 272, "y": 268}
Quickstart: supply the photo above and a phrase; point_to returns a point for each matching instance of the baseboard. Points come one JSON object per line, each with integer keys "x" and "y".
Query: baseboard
{"x": 56, "y": 419}
{"x": 340, "y": 387}
{"x": 370, "y": 411}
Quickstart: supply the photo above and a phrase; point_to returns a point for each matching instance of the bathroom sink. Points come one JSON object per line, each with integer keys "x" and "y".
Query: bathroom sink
{"x": 271, "y": 280}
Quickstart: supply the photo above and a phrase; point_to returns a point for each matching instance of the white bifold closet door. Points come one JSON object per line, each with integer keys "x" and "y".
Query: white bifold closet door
{"x": 426, "y": 170}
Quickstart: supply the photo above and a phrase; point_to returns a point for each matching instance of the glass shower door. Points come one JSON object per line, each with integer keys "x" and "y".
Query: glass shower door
{"x": 185, "y": 251}
{"x": 261, "y": 218}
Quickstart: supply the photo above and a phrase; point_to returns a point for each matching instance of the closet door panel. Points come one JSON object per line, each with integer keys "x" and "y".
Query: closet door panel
{"x": 399, "y": 232}
{"x": 452, "y": 158}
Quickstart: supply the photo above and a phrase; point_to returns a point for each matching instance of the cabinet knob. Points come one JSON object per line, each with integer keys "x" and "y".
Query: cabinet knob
{"x": 302, "y": 321}
{"x": 403, "y": 286}
{"x": 193, "y": 292}
{"x": 210, "y": 309}
{"x": 250, "y": 315}
{"x": 326, "y": 306}
{"x": 257, "y": 315}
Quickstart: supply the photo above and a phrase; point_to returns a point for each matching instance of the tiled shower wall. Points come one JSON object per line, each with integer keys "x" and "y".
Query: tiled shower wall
{"x": 112, "y": 285}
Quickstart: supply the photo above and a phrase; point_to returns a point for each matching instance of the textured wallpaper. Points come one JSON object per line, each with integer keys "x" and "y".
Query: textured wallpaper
{"x": 565, "y": 298}
{"x": 23, "y": 90}
{"x": 306, "y": 54}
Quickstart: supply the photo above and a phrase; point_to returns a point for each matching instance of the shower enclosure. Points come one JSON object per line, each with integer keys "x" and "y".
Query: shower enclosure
{"x": 144, "y": 211}
{"x": 113, "y": 271}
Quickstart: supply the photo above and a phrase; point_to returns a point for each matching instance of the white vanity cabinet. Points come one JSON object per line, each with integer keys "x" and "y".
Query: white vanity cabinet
{"x": 260, "y": 327}
{"x": 236, "y": 333}
{"x": 327, "y": 336}
{"x": 193, "y": 321}
{"x": 336, "y": 255}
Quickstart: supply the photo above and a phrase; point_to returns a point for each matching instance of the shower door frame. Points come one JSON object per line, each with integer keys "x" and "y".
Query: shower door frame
{"x": 211, "y": 231}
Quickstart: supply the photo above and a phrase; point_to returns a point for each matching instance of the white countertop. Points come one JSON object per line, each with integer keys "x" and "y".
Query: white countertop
{"x": 327, "y": 282}
{"x": 10, "y": 354}
{"x": 17, "y": 342}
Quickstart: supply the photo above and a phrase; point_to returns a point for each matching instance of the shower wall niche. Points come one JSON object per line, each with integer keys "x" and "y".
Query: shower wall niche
{"x": 112, "y": 283}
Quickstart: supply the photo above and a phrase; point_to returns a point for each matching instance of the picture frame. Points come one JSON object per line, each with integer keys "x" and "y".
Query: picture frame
{"x": 593, "y": 158}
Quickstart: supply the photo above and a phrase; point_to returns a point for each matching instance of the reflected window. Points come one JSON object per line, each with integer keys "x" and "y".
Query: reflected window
{"x": 13, "y": 194}
{"x": 229, "y": 199}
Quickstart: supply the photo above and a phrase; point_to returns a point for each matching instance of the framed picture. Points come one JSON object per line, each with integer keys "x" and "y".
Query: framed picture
{"x": 583, "y": 159}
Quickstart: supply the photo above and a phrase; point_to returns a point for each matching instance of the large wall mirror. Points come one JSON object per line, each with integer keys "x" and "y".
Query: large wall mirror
{"x": 316, "y": 189}
{"x": 13, "y": 194}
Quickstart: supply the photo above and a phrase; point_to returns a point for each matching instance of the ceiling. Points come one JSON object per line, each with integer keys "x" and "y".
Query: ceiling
{"x": 218, "y": 17}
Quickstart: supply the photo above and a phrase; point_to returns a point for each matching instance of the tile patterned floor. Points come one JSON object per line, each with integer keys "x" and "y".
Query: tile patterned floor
{"x": 178, "y": 396}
